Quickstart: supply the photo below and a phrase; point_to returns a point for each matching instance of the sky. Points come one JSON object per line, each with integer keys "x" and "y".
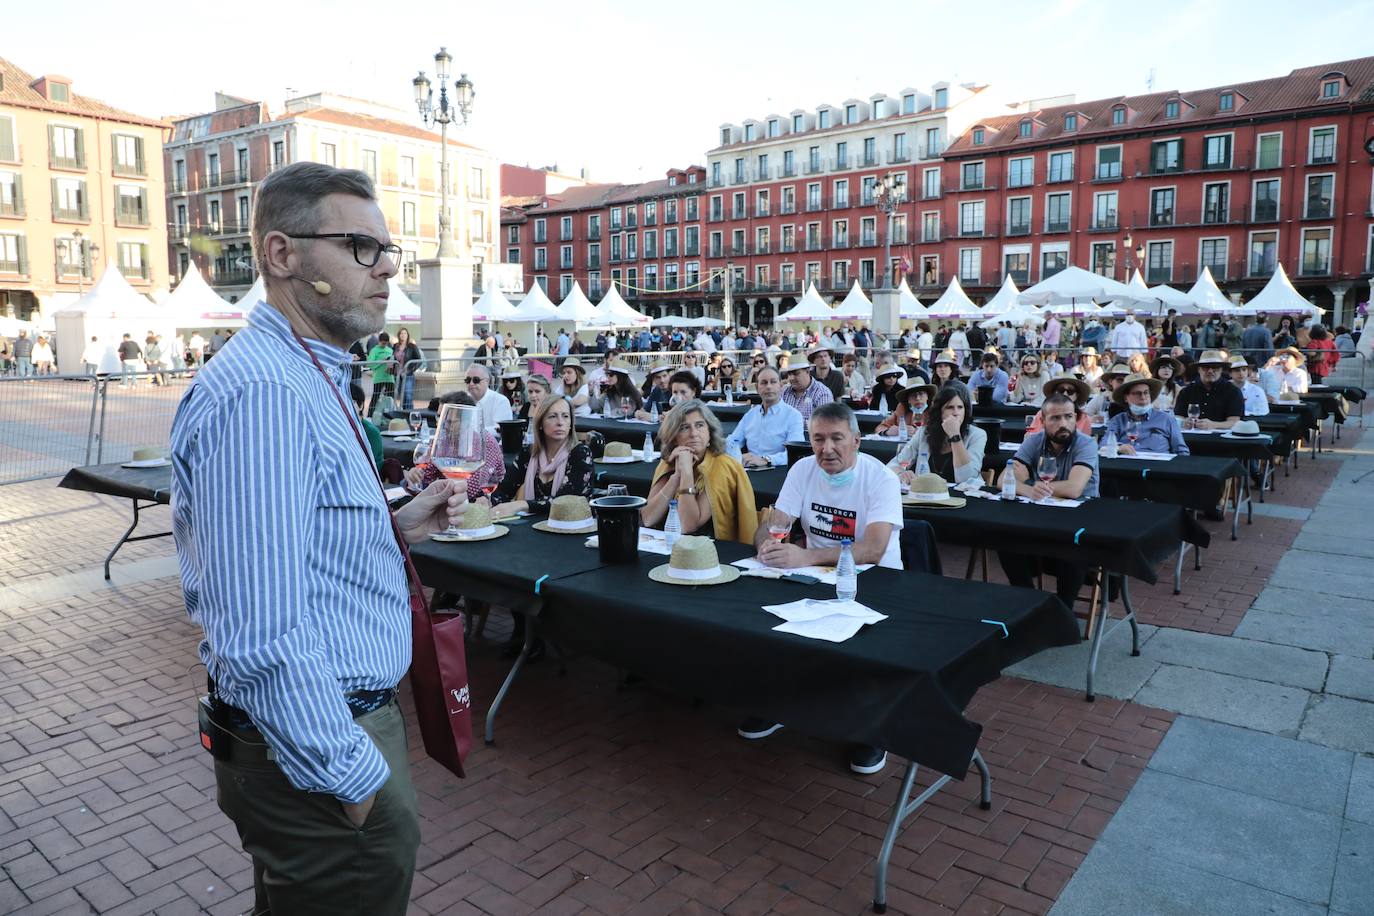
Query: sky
{"x": 627, "y": 90}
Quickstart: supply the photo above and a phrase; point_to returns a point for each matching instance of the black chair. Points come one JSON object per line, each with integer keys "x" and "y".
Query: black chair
{"x": 920, "y": 552}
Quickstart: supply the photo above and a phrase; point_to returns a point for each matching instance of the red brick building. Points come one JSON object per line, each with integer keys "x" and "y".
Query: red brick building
{"x": 1237, "y": 178}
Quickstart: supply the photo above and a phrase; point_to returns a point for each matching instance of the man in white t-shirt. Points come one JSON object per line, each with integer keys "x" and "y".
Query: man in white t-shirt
{"x": 837, "y": 494}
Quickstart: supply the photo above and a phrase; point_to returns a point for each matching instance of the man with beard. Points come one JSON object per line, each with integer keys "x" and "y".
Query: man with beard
{"x": 1075, "y": 477}
{"x": 290, "y": 565}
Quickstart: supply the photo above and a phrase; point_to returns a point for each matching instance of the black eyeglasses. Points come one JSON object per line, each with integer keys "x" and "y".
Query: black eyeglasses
{"x": 367, "y": 251}
{"x": 472, "y": 379}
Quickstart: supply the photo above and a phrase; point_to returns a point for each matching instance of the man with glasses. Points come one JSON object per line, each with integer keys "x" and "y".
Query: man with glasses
{"x": 1220, "y": 404}
{"x": 494, "y": 406}
{"x": 289, "y": 562}
{"x": 1142, "y": 428}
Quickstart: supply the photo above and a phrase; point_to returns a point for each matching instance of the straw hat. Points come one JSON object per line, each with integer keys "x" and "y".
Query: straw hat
{"x": 798, "y": 362}
{"x": 1120, "y": 369}
{"x": 569, "y": 515}
{"x": 928, "y": 388}
{"x": 1214, "y": 358}
{"x": 617, "y": 453}
{"x": 888, "y": 369}
{"x": 1087, "y": 351}
{"x": 572, "y": 362}
{"x": 1167, "y": 361}
{"x": 148, "y": 456}
{"x": 512, "y": 372}
{"x": 656, "y": 368}
{"x": 1293, "y": 352}
{"x": 1130, "y": 381}
{"x": 619, "y": 365}
{"x": 945, "y": 356}
{"x": 818, "y": 349}
{"x": 931, "y": 490}
{"x": 1245, "y": 429}
{"x": 475, "y": 526}
{"x": 1239, "y": 362}
{"x": 1085, "y": 390}
{"x": 694, "y": 562}
{"x": 398, "y": 425}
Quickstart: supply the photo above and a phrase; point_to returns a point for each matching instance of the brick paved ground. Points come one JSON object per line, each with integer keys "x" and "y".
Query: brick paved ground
{"x": 594, "y": 800}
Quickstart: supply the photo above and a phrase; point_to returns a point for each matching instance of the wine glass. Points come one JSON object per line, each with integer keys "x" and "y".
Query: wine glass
{"x": 779, "y": 525}
{"x": 456, "y": 451}
{"x": 626, "y": 408}
{"x": 1194, "y": 412}
{"x": 617, "y": 489}
{"x": 416, "y": 420}
{"x": 1133, "y": 432}
{"x": 487, "y": 482}
{"x": 420, "y": 457}
{"x": 1047, "y": 468}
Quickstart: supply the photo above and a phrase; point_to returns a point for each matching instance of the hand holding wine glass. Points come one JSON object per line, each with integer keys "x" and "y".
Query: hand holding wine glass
{"x": 1047, "y": 469}
{"x": 456, "y": 451}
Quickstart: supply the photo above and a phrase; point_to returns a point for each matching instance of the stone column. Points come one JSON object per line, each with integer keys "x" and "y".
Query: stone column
{"x": 445, "y": 320}
{"x": 886, "y": 325}
{"x": 1338, "y": 291}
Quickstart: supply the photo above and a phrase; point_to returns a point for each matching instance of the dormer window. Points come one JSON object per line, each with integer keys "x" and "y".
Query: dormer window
{"x": 1171, "y": 108}
{"x": 748, "y": 132}
{"x": 851, "y": 114}
{"x": 978, "y": 136}
{"x": 773, "y": 130}
{"x": 823, "y": 118}
{"x": 692, "y": 178}
{"x": 1331, "y": 89}
{"x": 797, "y": 123}
{"x": 672, "y": 181}
{"x": 725, "y": 136}
{"x": 908, "y": 104}
{"x": 941, "y": 98}
{"x": 1024, "y": 129}
{"x": 1118, "y": 115}
{"x": 59, "y": 92}
{"x": 1226, "y": 102}
{"x": 1071, "y": 122}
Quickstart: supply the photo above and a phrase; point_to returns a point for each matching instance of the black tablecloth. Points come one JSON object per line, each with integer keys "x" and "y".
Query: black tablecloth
{"x": 1283, "y": 430}
{"x": 154, "y": 484}
{"x": 632, "y": 433}
{"x": 1310, "y": 412}
{"x": 1330, "y": 402}
{"x": 403, "y": 450}
{"x": 901, "y": 684}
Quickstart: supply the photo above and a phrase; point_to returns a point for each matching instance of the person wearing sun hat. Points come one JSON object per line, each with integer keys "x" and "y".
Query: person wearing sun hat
{"x": 1154, "y": 430}
{"x": 1221, "y": 403}
{"x": 803, "y": 392}
{"x": 617, "y": 392}
{"x": 1070, "y": 386}
{"x": 822, "y": 360}
{"x": 1089, "y": 365}
{"x": 912, "y": 400}
{"x": 887, "y": 387}
{"x": 1256, "y": 403}
{"x": 944, "y": 368}
{"x": 1170, "y": 373}
{"x": 572, "y": 384}
{"x": 1285, "y": 374}
{"x": 1101, "y": 406}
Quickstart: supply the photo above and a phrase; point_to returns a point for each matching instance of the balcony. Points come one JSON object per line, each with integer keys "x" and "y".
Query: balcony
{"x": 838, "y": 241}
{"x": 14, "y": 206}
{"x": 136, "y": 218}
{"x": 1019, "y": 228}
{"x": 1317, "y": 208}
{"x": 716, "y": 251}
{"x": 669, "y": 218}
{"x": 975, "y": 232}
{"x": 616, "y": 225}
{"x": 869, "y": 240}
{"x": 651, "y": 219}
{"x": 565, "y": 235}
{"x": 978, "y": 186}
{"x": 692, "y": 250}
{"x": 813, "y": 168}
{"x": 930, "y": 236}
{"x": 814, "y": 244}
{"x": 1053, "y": 226}
{"x": 762, "y": 210}
{"x": 840, "y": 203}
{"x": 70, "y": 163}
{"x": 739, "y": 178}
{"x": 235, "y": 277}
{"x": 615, "y": 257}
{"x": 176, "y": 186}
{"x": 134, "y": 271}
{"x": 594, "y": 234}
{"x": 869, "y": 160}
{"x": 838, "y": 163}
{"x": 13, "y": 267}
{"x": 224, "y": 179}
{"x": 1157, "y": 275}
{"x": 899, "y": 237}
{"x": 739, "y": 213}
{"x": 1265, "y": 211}
{"x": 1059, "y": 177}
{"x": 786, "y": 209}
{"x": 65, "y": 270}
{"x": 71, "y": 214}
{"x": 896, "y": 157}
{"x": 815, "y": 205}
{"x": 789, "y": 171}
{"x": 594, "y": 262}
{"x": 631, "y": 221}
{"x": 738, "y": 251}
{"x": 136, "y": 169}
{"x": 715, "y": 216}
{"x": 717, "y": 182}
{"x": 650, "y": 253}
{"x": 541, "y": 238}
{"x": 931, "y": 280}
{"x": 934, "y": 151}
{"x": 788, "y": 247}
{"x": 1322, "y": 157}
{"x": 763, "y": 248}
{"x": 1107, "y": 172}
{"x": 1106, "y": 222}
{"x": 764, "y": 174}
{"x": 227, "y": 227}
{"x": 932, "y": 193}
{"x": 565, "y": 264}
{"x": 1315, "y": 267}
{"x": 670, "y": 251}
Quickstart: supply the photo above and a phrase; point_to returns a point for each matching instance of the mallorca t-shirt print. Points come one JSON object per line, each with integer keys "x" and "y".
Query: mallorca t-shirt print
{"x": 833, "y": 522}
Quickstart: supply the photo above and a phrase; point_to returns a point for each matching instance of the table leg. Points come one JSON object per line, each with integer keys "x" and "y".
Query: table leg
{"x": 1235, "y": 514}
{"x": 128, "y": 538}
{"x": 1178, "y": 567}
{"x": 1102, "y": 631}
{"x": 902, "y": 809}
{"x": 510, "y": 679}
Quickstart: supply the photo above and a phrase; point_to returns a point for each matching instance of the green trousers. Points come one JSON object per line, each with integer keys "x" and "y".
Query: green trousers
{"x": 307, "y": 856}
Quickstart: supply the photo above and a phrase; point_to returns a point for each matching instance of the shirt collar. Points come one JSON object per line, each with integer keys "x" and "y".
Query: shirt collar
{"x": 266, "y": 318}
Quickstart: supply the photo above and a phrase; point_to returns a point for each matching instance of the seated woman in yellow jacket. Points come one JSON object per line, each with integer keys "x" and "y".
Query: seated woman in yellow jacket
{"x": 713, "y": 493}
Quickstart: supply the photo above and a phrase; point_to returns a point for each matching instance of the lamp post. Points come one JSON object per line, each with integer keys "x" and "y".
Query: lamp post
{"x": 1138, "y": 251}
{"x": 79, "y": 255}
{"x": 443, "y": 114}
{"x": 887, "y": 197}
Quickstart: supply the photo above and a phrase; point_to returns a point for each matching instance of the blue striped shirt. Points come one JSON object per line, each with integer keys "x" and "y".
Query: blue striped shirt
{"x": 287, "y": 558}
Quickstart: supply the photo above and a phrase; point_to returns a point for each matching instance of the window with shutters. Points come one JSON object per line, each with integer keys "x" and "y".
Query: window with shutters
{"x": 12, "y": 257}
{"x": 69, "y": 199}
{"x": 409, "y": 219}
{"x": 131, "y": 205}
{"x": 11, "y": 194}
{"x": 66, "y": 147}
{"x": 9, "y": 144}
{"x": 133, "y": 260}
{"x": 128, "y": 155}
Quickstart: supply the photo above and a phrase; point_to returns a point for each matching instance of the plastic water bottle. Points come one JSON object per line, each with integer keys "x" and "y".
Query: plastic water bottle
{"x": 1110, "y": 448}
{"x": 653, "y": 411}
{"x": 672, "y": 527}
{"x": 648, "y": 453}
{"x": 922, "y": 463}
{"x": 1009, "y": 481}
{"x": 846, "y": 579}
{"x": 903, "y": 433}
{"x": 729, "y": 394}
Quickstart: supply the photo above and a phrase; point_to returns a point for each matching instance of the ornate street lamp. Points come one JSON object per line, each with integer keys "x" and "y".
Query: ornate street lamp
{"x": 888, "y": 196}
{"x": 443, "y": 114}
{"x": 1138, "y": 251}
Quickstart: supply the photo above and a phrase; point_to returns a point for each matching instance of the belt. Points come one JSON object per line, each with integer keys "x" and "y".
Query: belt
{"x": 360, "y": 703}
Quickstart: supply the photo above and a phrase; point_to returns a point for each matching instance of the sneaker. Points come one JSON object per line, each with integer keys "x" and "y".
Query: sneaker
{"x": 866, "y": 760}
{"x": 754, "y": 728}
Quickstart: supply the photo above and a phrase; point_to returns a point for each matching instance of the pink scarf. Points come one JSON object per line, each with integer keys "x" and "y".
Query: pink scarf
{"x": 539, "y": 463}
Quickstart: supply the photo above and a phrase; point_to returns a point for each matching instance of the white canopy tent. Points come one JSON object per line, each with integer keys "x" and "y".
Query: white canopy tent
{"x": 492, "y": 306}
{"x": 1278, "y": 298}
{"x": 1206, "y": 297}
{"x": 110, "y": 310}
{"x": 1005, "y": 300}
{"x": 536, "y": 306}
{"x": 909, "y": 306}
{"x": 855, "y": 305}
{"x": 614, "y": 307}
{"x": 954, "y": 303}
{"x": 193, "y": 304}
{"x": 400, "y": 308}
{"x": 811, "y": 307}
{"x": 681, "y": 321}
{"x": 577, "y": 309}
{"x": 256, "y": 293}
{"x": 1016, "y": 316}
{"x": 1074, "y": 286}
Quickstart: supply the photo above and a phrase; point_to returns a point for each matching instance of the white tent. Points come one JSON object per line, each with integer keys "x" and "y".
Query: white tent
{"x": 1005, "y": 300}
{"x": 193, "y": 304}
{"x": 1278, "y": 298}
{"x": 811, "y": 308}
{"x": 493, "y": 306}
{"x": 256, "y": 293}
{"x": 110, "y": 310}
{"x": 400, "y": 308}
{"x": 1016, "y": 316}
{"x": 614, "y": 307}
{"x": 578, "y": 310}
{"x": 680, "y": 321}
{"x": 1206, "y": 297}
{"x": 855, "y": 305}
{"x": 954, "y": 303}
{"x": 1074, "y": 286}
{"x": 910, "y": 306}
{"x": 535, "y": 307}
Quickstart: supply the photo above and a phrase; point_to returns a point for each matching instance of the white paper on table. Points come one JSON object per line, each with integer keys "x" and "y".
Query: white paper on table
{"x": 651, "y": 540}
{"x": 1009, "y": 446}
{"x": 880, "y": 437}
{"x": 1201, "y": 432}
{"x": 1054, "y": 501}
{"x": 814, "y": 609}
{"x": 834, "y": 628}
{"x": 826, "y": 574}
{"x": 1151, "y": 456}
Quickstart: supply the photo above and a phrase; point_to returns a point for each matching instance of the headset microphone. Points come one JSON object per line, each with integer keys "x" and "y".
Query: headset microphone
{"x": 321, "y": 287}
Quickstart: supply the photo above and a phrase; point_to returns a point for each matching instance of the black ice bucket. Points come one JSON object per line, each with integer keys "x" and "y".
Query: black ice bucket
{"x": 617, "y": 527}
{"x": 512, "y": 435}
{"x": 984, "y": 395}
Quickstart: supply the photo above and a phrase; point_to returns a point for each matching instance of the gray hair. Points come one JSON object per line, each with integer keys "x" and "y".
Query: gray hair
{"x": 838, "y": 411}
{"x": 289, "y": 200}
{"x": 673, "y": 420}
